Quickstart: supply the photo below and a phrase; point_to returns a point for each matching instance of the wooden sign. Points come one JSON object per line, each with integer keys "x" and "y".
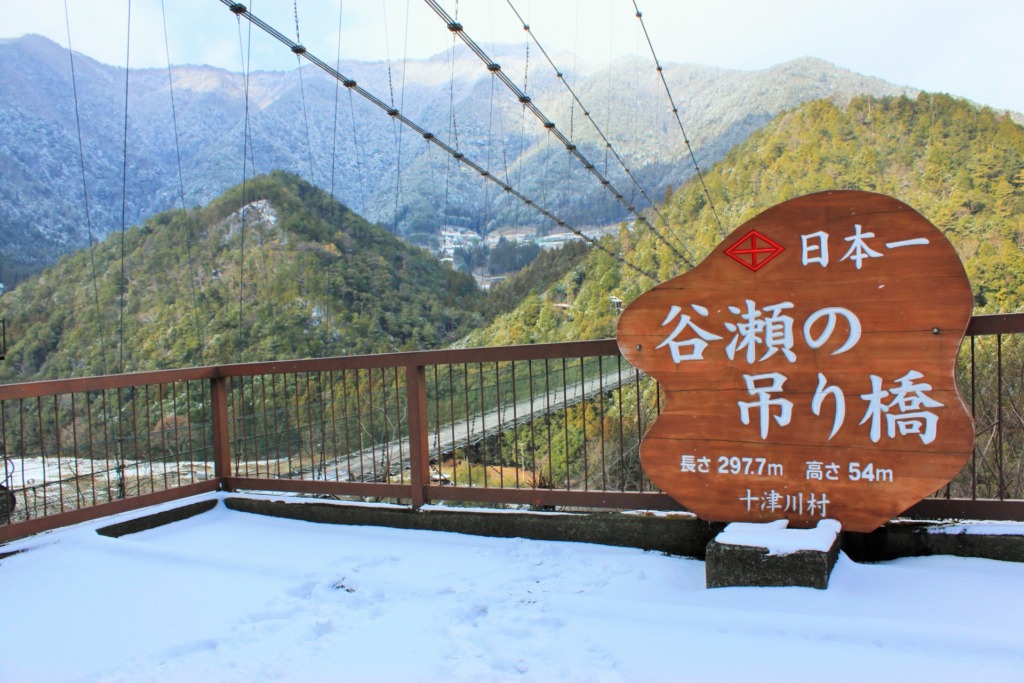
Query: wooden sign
{"x": 808, "y": 366}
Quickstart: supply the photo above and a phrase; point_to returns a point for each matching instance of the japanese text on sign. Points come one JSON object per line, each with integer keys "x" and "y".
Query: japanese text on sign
{"x": 760, "y": 333}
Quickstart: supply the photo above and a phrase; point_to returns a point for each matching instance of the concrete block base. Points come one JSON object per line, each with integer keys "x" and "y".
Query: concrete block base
{"x": 771, "y": 555}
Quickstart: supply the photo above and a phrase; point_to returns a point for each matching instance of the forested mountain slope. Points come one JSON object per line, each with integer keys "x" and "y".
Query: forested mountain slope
{"x": 301, "y": 276}
{"x": 960, "y": 166}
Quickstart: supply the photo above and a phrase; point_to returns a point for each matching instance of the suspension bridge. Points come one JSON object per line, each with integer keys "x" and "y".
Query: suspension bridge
{"x": 645, "y": 216}
{"x": 472, "y": 428}
{"x": 375, "y": 463}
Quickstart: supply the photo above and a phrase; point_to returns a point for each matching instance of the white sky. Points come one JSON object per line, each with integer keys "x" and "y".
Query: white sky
{"x": 969, "y": 49}
{"x": 239, "y": 597}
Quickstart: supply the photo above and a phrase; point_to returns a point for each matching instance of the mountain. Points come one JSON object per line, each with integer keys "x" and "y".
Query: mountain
{"x": 343, "y": 143}
{"x": 287, "y": 273}
{"x": 299, "y": 274}
{"x": 960, "y": 166}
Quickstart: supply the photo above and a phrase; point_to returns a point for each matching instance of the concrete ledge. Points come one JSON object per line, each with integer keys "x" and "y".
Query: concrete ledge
{"x": 674, "y": 534}
{"x": 916, "y": 539}
{"x": 681, "y": 534}
{"x": 5, "y": 555}
{"x": 134, "y": 526}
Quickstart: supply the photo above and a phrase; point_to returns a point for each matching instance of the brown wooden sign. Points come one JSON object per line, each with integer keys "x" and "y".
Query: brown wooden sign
{"x": 808, "y": 366}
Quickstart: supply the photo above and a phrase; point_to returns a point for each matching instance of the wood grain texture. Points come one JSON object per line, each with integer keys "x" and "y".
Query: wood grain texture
{"x": 897, "y": 279}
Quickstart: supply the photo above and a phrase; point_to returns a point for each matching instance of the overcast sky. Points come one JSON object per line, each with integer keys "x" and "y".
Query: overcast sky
{"x": 971, "y": 49}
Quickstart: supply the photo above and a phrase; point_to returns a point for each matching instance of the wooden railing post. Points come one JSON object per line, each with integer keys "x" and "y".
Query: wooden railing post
{"x": 419, "y": 443}
{"x": 219, "y": 425}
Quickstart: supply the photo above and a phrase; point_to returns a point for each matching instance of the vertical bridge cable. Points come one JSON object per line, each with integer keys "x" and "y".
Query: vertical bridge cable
{"x": 522, "y": 123}
{"x": 181, "y": 189}
{"x": 495, "y": 68}
{"x": 245, "y": 161}
{"x": 401, "y": 105}
{"x": 124, "y": 191}
{"x": 359, "y": 155}
{"x": 298, "y": 49}
{"x": 120, "y": 466}
{"x": 101, "y": 330}
{"x": 453, "y": 134}
{"x": 337, "y": 93}
{"x": 679, "y": 121}
{"x": 490, "y": 149}
{"x": 396, "y": 129}
{"x": 240, "y": 10}
{"x": 334, "y": 161}
{"x": 609, "y": 147}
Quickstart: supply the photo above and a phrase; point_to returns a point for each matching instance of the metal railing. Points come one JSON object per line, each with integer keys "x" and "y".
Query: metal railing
{"x": 547, "y": 425}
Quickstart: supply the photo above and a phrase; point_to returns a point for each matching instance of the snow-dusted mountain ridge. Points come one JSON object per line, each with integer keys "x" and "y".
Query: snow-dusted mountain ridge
{"x": 356, "y": 151}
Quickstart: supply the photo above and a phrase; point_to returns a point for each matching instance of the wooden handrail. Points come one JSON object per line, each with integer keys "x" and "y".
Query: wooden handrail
{"x": 1004, "y": 323}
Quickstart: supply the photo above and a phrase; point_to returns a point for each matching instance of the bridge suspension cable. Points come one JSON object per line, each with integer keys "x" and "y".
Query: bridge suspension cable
{"x": 401, "y": 104}
{"x": 609, "y": 147}
{"x": 101, "y": 329}
{"x": 124, "y": 190}
{"x": 181, "y": 190}
{"x": 245, "y": 162}
{"x": 302, "y": 89}
{"x": 495, "y": 68}
{"x": 337, "y": 92}
{"x": 241, "y": 11}
{"x": 679, "y": 121}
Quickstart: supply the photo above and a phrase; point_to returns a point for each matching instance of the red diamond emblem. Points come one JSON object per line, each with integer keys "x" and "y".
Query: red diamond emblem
{"x": 754, "y": 250}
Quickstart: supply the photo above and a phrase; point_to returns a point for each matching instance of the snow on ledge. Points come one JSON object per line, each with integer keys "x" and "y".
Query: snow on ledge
{"x": 778, "y": 539}
{"x": 980, "y": 528}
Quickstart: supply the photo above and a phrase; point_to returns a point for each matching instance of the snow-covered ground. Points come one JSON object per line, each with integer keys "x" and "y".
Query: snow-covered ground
{"x": 227, "y": 596}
